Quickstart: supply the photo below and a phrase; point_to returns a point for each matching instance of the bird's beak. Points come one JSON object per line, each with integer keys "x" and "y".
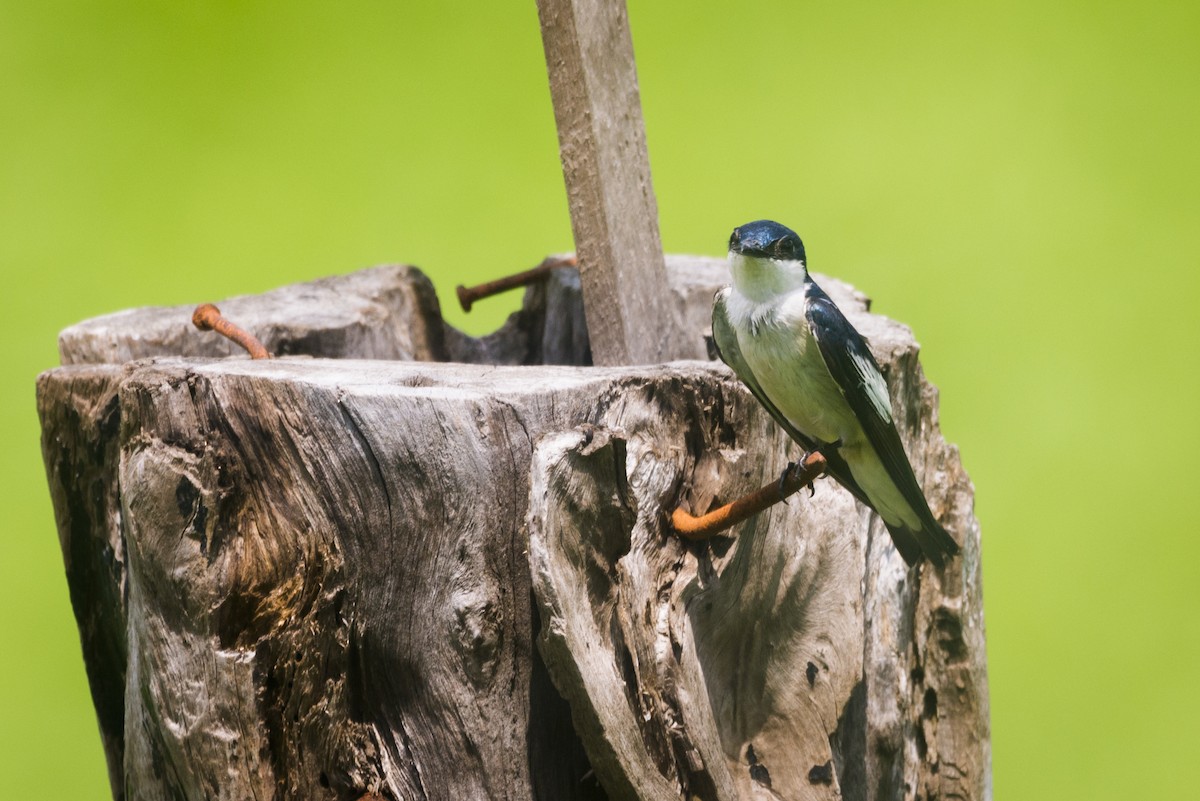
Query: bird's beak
{"x": 735, "y": 241}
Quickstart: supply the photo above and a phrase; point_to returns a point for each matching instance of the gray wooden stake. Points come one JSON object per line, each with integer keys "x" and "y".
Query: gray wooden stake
{"x": 602, "y": 139}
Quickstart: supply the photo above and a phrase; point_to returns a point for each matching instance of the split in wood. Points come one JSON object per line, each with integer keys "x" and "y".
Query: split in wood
{"x": 745, "y": 507}
{"x": 207, "y": 317}
{"x": 467, "y": 295}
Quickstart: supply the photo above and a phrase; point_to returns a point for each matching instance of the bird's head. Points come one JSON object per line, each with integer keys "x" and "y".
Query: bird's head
{"x": 766, "y": 259}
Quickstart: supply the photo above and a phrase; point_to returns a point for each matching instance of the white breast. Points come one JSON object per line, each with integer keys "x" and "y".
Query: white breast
{"x": 779, "y": 348}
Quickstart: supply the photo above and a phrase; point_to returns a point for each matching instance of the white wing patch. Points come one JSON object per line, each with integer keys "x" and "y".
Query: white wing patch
{"x": 873, "y": 383}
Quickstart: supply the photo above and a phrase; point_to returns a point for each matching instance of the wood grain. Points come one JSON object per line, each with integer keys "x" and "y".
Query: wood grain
{"x": 314, "y": 578}
{"x": 606, "y": 167}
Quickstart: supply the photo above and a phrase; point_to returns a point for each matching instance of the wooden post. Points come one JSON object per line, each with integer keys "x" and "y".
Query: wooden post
{"x": 593, "y": 81}
{"x": 310, "y": 579}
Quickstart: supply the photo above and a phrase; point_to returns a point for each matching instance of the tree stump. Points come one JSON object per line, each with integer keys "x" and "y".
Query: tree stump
{"x": 401, "y": 561}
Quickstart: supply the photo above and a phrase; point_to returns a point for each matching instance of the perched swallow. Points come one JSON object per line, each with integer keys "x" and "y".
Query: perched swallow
{"x": 804, "y": 362}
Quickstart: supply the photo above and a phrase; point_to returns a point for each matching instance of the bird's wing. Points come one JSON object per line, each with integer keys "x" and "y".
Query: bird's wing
{"x": 858, "y": 375}
{"x": 730, "y": 352}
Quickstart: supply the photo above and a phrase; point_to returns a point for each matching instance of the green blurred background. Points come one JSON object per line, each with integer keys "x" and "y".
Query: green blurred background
{"x": 1018, "y": 181}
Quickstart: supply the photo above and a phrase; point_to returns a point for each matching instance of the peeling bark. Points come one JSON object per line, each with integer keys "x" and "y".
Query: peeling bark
{"x": 314, "y": 578}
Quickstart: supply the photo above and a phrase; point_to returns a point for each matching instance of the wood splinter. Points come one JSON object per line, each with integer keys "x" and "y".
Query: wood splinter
{"x": 745, "y": 507}
{"x": 207, "y": 317}
{"x": 467, "y": 295}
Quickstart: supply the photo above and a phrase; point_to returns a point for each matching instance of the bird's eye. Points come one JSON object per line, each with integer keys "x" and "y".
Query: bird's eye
{"x": 784, "y": 248}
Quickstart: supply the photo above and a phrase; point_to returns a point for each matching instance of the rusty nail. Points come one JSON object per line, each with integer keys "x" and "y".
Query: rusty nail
{"x": 467, "y": 295}
{"x": 207, "y": 317}
{"x": 745, "y": 507}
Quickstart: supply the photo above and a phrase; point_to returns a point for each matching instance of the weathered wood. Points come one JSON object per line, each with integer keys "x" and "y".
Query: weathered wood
{"x": 81, "y": 419}
{"x": 614, "y": 217}
{"x": 798, "y": 658}
{"x": 310, "y": 578}
{"x": 387, "y": 312}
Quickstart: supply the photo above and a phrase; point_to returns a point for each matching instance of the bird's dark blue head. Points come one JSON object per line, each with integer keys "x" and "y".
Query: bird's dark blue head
{"x": 767, "y": 239}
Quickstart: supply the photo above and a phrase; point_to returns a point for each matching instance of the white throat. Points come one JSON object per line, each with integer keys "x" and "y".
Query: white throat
{"x": 760, "y": 279}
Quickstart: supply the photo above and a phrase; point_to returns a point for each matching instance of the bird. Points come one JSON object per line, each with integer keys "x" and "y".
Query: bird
{"x": 813, "y": 372}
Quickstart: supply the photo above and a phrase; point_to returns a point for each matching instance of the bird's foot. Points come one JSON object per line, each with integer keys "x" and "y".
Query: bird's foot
{"x": 788, "y": 472}
{"x": 792, "y": 467}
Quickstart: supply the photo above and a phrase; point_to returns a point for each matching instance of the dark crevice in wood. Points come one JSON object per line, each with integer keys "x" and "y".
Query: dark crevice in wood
{"x": 849, "y": 742}
{"x": 559, "y": 768}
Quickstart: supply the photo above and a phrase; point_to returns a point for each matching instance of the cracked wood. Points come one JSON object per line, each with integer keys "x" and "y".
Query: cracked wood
{"x": 317, "y": 578}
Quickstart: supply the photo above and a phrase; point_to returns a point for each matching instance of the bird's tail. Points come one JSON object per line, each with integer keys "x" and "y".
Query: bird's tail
{"x": 930, "y": 540}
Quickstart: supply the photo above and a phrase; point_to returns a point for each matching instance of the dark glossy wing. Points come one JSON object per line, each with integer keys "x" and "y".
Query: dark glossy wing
{"x": 855, "y": 370}
{"x": 730, "y": 352}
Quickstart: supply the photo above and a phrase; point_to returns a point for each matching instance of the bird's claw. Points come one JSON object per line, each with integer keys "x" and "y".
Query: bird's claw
{"x": 788, "y": 471}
